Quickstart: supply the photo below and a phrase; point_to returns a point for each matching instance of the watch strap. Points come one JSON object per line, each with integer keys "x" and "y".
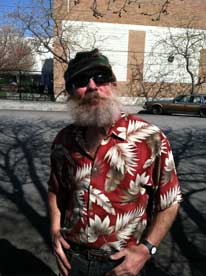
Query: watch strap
{"x": 152, "y": 249}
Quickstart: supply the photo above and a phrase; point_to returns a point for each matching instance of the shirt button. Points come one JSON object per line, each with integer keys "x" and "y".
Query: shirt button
{"x": 94, "y": 169}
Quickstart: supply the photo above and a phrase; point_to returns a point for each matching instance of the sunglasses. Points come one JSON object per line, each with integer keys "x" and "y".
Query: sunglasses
{"x": 82, "y": 80}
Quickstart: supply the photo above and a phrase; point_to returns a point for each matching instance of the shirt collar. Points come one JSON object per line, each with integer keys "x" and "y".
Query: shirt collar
{"x": 116, "y": 128}
{"x": 114, "y": 131}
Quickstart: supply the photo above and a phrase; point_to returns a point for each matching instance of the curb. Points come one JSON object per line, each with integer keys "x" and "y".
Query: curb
{"x": 32, "y": 106}
{"x": 50, "y": 106}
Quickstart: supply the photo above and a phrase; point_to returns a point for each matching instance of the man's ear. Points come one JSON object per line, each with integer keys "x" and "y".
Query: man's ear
{"x": 114, "y": 83}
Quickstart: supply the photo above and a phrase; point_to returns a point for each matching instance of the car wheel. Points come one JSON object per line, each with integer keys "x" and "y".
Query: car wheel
{"x": 203, "y": 113}
{"x": 157, "y": 110}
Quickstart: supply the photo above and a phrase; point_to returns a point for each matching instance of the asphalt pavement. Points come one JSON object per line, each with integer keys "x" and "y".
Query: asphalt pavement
{"x": 25, "y": 246}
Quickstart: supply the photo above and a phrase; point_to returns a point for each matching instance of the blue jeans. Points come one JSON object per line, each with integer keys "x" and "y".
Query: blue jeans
{"x": 83, "y": 265}
{"x": 89, "y": 266}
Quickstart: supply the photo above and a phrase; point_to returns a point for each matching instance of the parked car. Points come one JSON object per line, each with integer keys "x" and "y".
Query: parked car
{"x": 185, "y": 104}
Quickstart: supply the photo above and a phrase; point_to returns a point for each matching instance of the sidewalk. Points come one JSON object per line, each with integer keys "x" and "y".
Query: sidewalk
{"x": 32, "y": 106}
{"x": 50, "y": 106}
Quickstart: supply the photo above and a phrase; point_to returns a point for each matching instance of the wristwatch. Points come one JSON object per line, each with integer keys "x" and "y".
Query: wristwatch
{"x": 152, "y": 249}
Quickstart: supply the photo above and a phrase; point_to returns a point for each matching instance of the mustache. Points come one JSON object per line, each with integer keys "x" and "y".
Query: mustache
{"x": 94, "y": 95}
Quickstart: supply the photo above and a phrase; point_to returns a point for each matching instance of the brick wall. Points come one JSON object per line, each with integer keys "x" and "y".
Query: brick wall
{"x": 179, "y": 14}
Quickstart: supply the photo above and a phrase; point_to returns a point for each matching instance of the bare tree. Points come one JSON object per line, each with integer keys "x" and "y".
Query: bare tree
{"x": 139, "y": 86}
{"x": 175, "y": 63}
{"x": 38, "y": 21}
{"x": 153, "y": 8}
{"x": 41, "y": 21}
{"x": 15, "y": 50}
{"x": 184, "y": 47}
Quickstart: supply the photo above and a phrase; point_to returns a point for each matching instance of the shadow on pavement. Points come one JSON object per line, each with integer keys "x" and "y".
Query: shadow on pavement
{"x": 24, "y": 171}
{"x": 20, "y": 262}
{"x": 189, "y": 232}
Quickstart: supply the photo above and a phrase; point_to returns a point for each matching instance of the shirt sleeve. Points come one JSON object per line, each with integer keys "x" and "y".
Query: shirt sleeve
{"x": 57, "y": 163}
{"x": 59, "y": 181}
{"x": 168, "y": 188}
{"x": 53, "y": 184}
{"x": 61, "y": 164}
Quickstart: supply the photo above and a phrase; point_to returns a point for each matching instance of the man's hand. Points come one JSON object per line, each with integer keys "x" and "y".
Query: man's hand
{"x": 59, "y": 243}
{"x": 135, "y": 258}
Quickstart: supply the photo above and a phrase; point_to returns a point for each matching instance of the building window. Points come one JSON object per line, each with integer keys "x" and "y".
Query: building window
{"x": 202, "y": 65}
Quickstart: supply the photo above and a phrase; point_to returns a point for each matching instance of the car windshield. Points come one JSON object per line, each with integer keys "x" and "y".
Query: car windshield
{"x": 182, "y": 99}
{"x": 197, "y": 99}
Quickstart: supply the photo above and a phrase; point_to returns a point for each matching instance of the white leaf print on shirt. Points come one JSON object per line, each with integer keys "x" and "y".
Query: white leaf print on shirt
{"x": 113, "y": 179}
{"x": 98, "y": 227}
{"x": 139, "y": 230}
{"x": 118, "y": 245}
{"x": 144, "y": 133}
{"x": 122, "y": 157}
{"x": 96, "y": 196}
{"x": 154, "y": 143}
{"x": 149, "y": 162}
{"x": 137, "y": 185}
{"x": 170, "y": 197}
{"x": 163, "y": 147}
{"x": 82, "y": 178}
{"x": 168, "y": 168}
{"x": 83, "y": 175}
{"x": 105, "y": 141}
{"x": 133, "y": 126}
{"x": 127, "y": 223}
{"x": 169, "y": 162}
{"x": 137, "y": 131}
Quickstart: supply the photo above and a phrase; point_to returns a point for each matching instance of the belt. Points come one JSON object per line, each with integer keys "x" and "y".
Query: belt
{"x": 91, "y": 253}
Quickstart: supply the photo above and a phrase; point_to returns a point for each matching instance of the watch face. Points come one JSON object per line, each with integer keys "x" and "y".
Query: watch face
{"x": 153, "y": 250}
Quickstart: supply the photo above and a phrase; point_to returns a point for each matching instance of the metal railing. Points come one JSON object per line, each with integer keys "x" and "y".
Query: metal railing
{"x": 26, "y": 86}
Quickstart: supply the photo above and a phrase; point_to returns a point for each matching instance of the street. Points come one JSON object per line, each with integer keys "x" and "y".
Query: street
{"x": 25, "y": 246}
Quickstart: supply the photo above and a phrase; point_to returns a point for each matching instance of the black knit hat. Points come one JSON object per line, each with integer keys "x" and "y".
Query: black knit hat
{"x": 85, "y": 61}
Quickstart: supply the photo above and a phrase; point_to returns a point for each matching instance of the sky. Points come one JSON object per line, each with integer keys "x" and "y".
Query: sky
{"x": 10, "y": 4}
{"x": 7, "y": 6}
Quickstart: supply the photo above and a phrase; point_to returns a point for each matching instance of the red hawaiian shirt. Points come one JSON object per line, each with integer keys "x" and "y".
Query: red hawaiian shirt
{"x": 104, "y": 200}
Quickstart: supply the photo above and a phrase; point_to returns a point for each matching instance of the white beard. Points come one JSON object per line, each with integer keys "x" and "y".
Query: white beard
{"x": 104, "y": 114}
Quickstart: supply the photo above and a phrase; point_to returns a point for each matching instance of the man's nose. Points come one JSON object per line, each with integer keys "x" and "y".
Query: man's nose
{"x": 91, "y": 85}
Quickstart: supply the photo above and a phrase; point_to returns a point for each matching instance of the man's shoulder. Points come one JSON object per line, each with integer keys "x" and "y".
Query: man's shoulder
{"x": 66, "y": 134}
{"x": 128, "y": 117}
{"x": 130, "y": 124}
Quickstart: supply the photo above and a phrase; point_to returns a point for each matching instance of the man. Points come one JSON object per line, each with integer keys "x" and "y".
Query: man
{"x": 113, "y": 188}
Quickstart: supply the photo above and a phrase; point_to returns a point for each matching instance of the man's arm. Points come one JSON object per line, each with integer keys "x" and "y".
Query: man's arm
{"x": 161, "y": 224}
{"x": 136, "y": 256}
{"x": 58, "y": 241}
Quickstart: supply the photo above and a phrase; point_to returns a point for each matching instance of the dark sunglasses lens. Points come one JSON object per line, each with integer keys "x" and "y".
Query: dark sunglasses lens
{"x": 80, "y": 81}
{"x": 83, "y": 80}
{"x": 101, "y": 78}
